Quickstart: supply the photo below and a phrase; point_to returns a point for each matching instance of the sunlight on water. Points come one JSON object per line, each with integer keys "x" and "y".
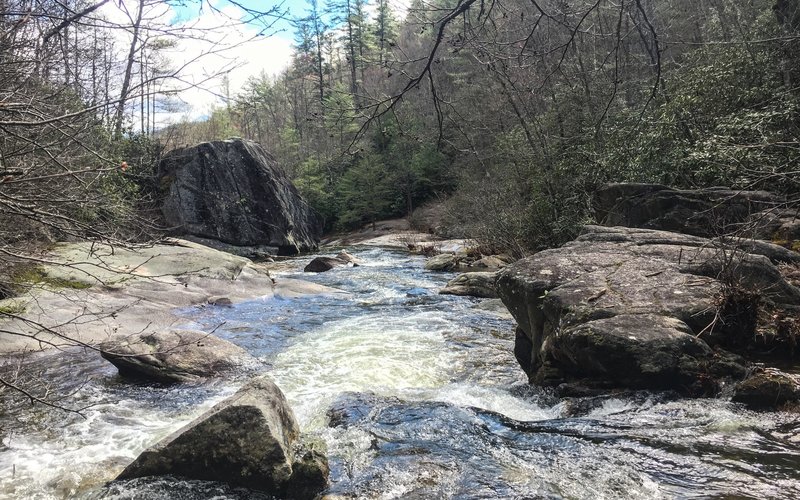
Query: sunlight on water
{"x": 368, "y": 353}
{"x": 416, "y": 395}
{"x": 67, "y": 454}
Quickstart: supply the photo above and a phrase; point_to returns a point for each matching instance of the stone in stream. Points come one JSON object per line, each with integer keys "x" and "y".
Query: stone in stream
{"x": 249, "y": 440}
{"x": 767, "y": 389}
{"x": 442, "y": 262}
{"x": 477, "y": 284}
{"x": 637, "y": 308}
{"x": 174, "y": 356}
{"x": 235, "y": 192}
{"x": 323, "y": 264}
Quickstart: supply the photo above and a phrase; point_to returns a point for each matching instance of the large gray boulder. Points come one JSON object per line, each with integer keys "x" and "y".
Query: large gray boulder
{"x": 235, "y": 192}
{"x": 248, "y": 440}
{"x": 174, "y": 356}
{"x": 637, "y": 307}
{"x": 701, "y": 212}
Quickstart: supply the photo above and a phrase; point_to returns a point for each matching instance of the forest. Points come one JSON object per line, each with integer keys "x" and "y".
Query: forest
{"x": 506, "y": 114}
{"x": 425, "y": 249}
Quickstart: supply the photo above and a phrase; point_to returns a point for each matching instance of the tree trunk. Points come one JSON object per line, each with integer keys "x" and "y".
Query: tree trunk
{"x": 126, "y": 82}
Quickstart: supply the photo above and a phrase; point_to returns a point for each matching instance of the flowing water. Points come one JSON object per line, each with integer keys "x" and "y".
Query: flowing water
{"x": 414, "y": 395}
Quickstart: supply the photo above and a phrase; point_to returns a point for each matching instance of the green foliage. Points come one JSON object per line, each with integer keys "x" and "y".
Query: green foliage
{"x": 729, "y": 120}
{"x": 11, "y": 308}
{"x": 365, "y": 193}
{"x": 29, "y": 276}
{"x": 315, "y": 187}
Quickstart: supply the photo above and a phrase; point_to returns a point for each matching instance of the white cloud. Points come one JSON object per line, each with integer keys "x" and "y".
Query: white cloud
{"x": 220, "y": 45}
{"x": 213, "y": 44}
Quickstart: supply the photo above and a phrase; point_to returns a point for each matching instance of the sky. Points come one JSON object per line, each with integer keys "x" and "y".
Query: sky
{"x": 215, "y": 42}
{"x": 250, "y": 51}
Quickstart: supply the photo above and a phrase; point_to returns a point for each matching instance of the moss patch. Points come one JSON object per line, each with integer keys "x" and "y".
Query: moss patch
{"x": 11, "y": 308}
{"x": 35, "y": 275}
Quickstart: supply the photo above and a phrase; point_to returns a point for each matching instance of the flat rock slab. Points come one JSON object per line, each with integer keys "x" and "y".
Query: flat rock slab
{"x": 635, "y": 307}
{"x": 248, "y": 440}
{"x": 175, "y": 356}
{"x": 115, "y": 292}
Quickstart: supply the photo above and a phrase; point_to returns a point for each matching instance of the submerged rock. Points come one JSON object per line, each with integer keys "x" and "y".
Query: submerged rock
{"x": 347, "y": 257}
{"x": 478, "y": 284}
{"x": 767, "y": 389}
{"x": 235, "y": 192}
{"x": 248, "y": 440}
{"x": 174, "y": 356}
{"x": 636, "y": 307}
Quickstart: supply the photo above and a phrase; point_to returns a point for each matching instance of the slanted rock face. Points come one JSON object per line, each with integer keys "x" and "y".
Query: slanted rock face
{"x": 627, "y": 305}
{"x": 702, "y": 212}
{"x": 174, "y": 356}
{"x": 235, "y": 192}
{"x": 246, "y": 440}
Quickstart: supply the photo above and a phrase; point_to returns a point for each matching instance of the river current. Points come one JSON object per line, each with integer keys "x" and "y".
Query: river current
{"x": 413, "y": 395}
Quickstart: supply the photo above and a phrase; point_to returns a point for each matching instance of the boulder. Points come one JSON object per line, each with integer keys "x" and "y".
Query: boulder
{"x": 700, "y": 212}
{"x": 174, "y": 356}
{"x": 767, "y": 389}
{"x": 347, "y": 257}
{"x": 235, "y": 192}
{"x": 635, "y": 350}
{"x": 248, "y": 440}
{"x": 323, "y": 264}
{"x": 638, "y": 308}
{"x": 442, "y": 262}
{"x": 478, "y": 284}
{"x": 490, "y": 263}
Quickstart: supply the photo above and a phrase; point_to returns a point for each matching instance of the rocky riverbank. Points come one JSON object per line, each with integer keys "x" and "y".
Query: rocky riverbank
{"x": 650, "y": 308}
{"x": 84, "y": 294}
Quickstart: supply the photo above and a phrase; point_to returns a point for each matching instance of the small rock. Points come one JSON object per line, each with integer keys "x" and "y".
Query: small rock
{"x": 472, "y": 284}
{"x": 346, "y": 257}
{"x": 174, "y": 356}
{"x": 442, "y": 262}
{"x": 323, "y": 264}
{"x": 220, "y": 301}
{"x": 768, "y": 388}
{"x": 491, "y": 263}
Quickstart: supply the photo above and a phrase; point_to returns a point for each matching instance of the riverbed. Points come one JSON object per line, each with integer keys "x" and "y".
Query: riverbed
{"x": 413, "y": 395}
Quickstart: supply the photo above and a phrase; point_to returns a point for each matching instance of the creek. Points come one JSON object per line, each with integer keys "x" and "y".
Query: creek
{"x": 414, "y": 395}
